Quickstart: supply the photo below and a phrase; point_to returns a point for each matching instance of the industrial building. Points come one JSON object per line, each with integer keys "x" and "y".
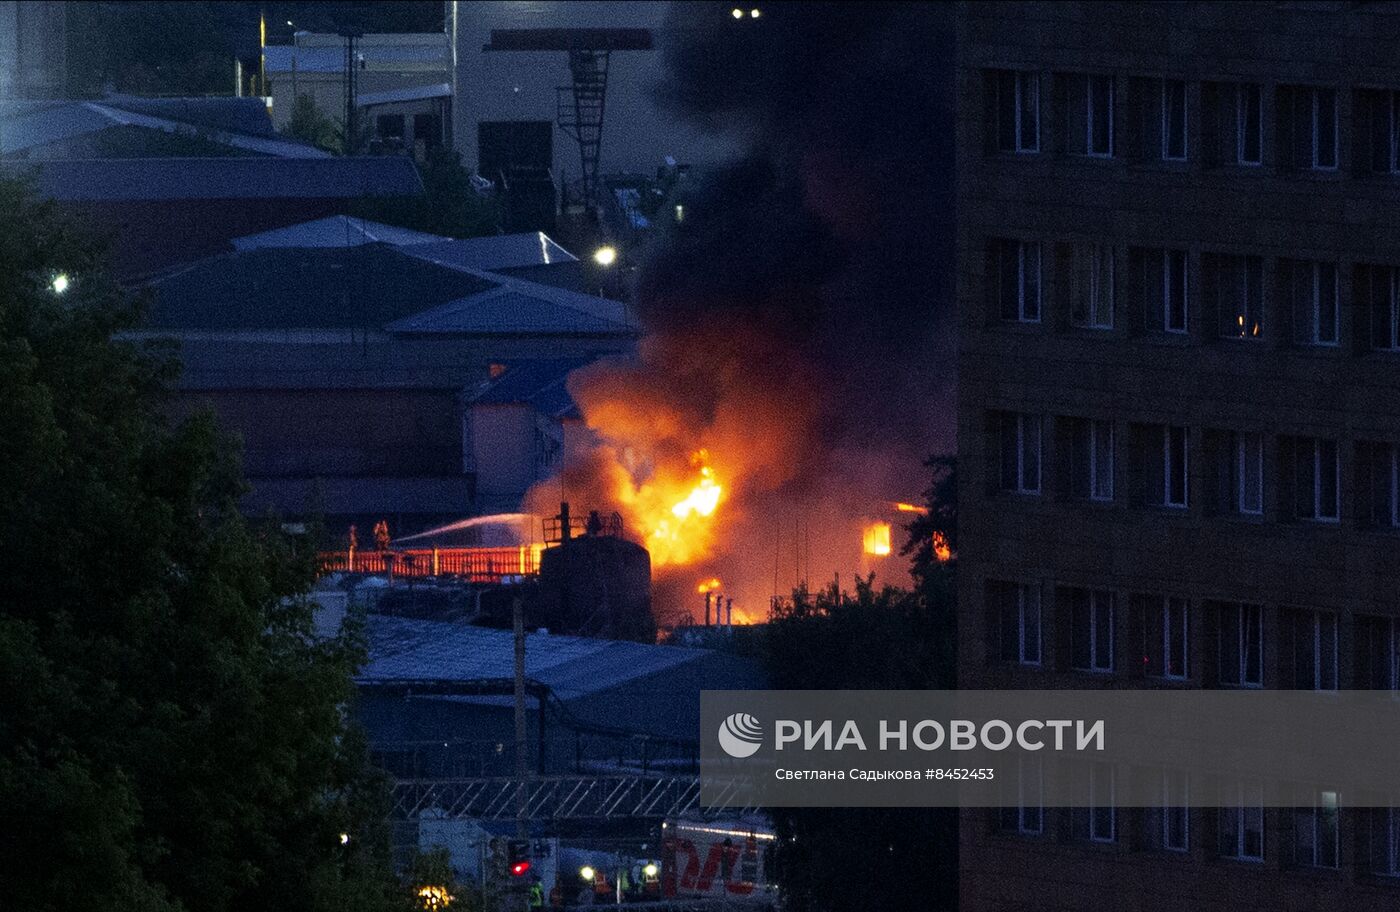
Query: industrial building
{"x": 1178, "y": 420}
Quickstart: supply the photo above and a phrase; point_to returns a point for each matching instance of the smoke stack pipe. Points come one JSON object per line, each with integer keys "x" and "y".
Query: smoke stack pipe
{"x": 729, "y": 614}
{"x": 708, "y": 597}
{"x": 564, "y": 527}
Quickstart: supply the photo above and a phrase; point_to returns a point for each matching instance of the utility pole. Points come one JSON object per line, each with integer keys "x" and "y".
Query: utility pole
{"x": 517, "y": 611}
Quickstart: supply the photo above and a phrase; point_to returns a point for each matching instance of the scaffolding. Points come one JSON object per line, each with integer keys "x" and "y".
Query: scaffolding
{"x": 560, "y": 798}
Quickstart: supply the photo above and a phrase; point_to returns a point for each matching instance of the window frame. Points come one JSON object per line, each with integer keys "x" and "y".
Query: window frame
{"x": 1024, "y": 635}
{"x": 1175, "y": 604}
{"x": 1241, "y": 811}
{"x": 1168, "y": 85}
{"x": 1316, "y": 637}
{"x": 1315, "y": 128}
{"x": 1169, "y": 467}
{"x": 1095, "y": 808}
{"x": 1169, "y": 283}
{"x": 1091, "y": 82}
{"x": 1022, "y": 313}
{"x": 1241, "y": 461}
{"x": 1021, "y": 420}
{"x": 1099, "y": 300}
{"x": 1171, "y": 809}
{"x": 1094, "y": 613}
{"x": 1096, "y": 427}
{"x": 1022, "y": 807}
{"x": 1022, "y": 83}
{"x": 1242, "y": 612}
{"x": 1315, "y": 815}
{"x": 1314, "y": 336}
{"x": 1242, "y": 90}
{"x": 1317, "y": 444}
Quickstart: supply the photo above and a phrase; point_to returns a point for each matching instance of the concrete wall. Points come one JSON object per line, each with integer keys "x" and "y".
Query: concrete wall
{"x": 1130, "y": 375}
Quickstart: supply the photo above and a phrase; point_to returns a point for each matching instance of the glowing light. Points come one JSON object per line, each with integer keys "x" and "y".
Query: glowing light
{"x": 605, "y": 255}
{"x": 519, "y": 868}
{"x": 876, "y": 542}
{"x": 941, "y": 549}
{"x": 344, "y": 838}
{"x": 60, "y": 283}
{"x": 737, "y": 13}
{"x": 754, "y": 13}
{"x": 709, "y": 585}
{"x": 586, "y": 872}
{"x": 702, "y": 499}
{"x": 911, "y": 508}
{"x": 434, "y": 897}
{"x": 650, "y": 870}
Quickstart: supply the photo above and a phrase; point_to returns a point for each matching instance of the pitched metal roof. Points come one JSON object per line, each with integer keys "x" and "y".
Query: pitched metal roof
{"x": 519, "y": 307}
{"x": 540, "y": 383}
{"x": 403, "y": 649}
{"x": 414, "y": 93}
{"x": 501, "y": 251}
{"x": 305, "y": 288}
{"x": 335, "y": 231}
{"x": 219, "y": 178}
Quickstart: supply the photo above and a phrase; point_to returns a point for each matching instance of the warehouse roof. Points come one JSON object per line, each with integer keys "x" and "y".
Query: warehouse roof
{"x": 111, "y": 179}
{"x": 402, "y": 649}
{"x": 335, "y": 231}
{"x": 541, "y": 383}
{"x": 500, "y": 251}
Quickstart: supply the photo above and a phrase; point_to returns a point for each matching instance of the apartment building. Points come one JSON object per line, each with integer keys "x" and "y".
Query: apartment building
{"x": 1179, "y": 329}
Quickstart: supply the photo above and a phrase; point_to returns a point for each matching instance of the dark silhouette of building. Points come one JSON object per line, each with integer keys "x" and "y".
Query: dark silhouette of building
{"x": 1179, "y": 345}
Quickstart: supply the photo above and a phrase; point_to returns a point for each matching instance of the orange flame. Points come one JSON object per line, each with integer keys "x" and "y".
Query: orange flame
{"x": 675, "y": 514}
{"x": 911, "y": 508}
{"x": 876, "y": 541}
{"x": 709, "y": 585}
{"x": 941, "y": 549}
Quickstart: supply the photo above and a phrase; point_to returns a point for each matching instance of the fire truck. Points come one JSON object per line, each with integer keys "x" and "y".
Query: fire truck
{"x": 717, "y": 859}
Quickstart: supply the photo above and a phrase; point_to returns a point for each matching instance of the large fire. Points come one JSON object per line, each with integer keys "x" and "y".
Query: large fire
{"x": 676, "y": 515}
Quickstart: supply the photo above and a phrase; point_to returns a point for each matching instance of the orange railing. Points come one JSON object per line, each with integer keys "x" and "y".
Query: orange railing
{"x": 477, "y": 565}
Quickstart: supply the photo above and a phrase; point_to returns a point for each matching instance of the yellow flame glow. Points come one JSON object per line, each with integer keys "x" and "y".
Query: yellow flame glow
{"x": 877, "y": 539}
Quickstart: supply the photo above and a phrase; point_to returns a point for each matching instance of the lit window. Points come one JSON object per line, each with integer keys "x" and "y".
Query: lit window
{"x": 1241, "y": 297}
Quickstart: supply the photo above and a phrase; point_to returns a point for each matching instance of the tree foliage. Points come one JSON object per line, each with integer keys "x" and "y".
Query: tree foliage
{"x": 308, "y": 124}
{"x": 839, "y": 859}
{"x": 448, "y": 205}
{"x": 172, "y": 733}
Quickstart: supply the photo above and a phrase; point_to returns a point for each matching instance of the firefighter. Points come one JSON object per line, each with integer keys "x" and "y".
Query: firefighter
{"x": 536, "y": 893}
{"x": 381, "y": 536}
{"x": 556, "y": 895}
{"x": 602, "y": 887}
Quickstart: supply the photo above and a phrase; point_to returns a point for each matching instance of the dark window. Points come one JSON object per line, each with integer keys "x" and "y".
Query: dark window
{"x": 427, "y": 129}
{"x": 1018, "y": 608}
{"x": 1174, "y": 290}
{"x": 1098, "y": 100}
{"x": 1173, "y": 120}
{"x": 1315, "y": 832}
{"x": 1091, "y": 628}
{"x": 1314, "y": 468}
{"x": 1018, "y": 111}
{"x": 1240, "y": 285}
{"x": 1241, "y": 824}
{"x": 1249, "y": 120}
{"x": 1018, "y": 280}
{"x": 1315, "y": 313}
{"x": 1241, "y": 644}
{"x": 1324, "y": 128}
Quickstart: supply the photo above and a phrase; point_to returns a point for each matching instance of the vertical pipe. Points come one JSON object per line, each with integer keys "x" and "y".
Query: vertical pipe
{"x": 518, "y": 622}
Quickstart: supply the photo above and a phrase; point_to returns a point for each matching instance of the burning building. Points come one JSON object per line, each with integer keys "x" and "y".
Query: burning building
{"x": 793, "y": 375}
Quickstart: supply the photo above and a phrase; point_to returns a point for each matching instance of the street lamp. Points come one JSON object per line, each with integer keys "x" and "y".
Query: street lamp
{"x": 60, "y": 283}
{"x": 587, "y": 872}
{"x": 605, "y": 255}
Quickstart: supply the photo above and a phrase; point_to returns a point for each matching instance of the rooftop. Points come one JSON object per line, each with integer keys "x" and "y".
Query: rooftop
{"x": 540, "y": 383}
{"x": 335, "y": 231}
{"x": 501, "y": 251}
{"x": 111, "y": 179}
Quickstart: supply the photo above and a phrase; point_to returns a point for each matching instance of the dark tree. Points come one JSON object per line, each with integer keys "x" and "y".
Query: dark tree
{"x": 448, "y": 205}
{"x": 173, "y": 734}
{"x": 856, "y": 859}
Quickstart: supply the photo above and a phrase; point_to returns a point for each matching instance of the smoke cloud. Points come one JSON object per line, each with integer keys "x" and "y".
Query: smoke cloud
{"x": 800, "y": 318}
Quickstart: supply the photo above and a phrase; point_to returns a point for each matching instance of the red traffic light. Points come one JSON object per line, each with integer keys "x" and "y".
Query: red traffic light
{"x": 519, "y": 868}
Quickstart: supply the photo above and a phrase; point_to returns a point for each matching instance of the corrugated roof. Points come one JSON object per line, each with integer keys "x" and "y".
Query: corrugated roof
{"x": 518, "y": 308}
{"x": 541, "y": 383}
{"x": 220, "y": 178}
{"x": 501, "y": 251}
{"x": 335, "y": 231}
{"x": 307, "y": 288}
{"x": 408, "y": 649}
{"x": 24, "y": 129}
{"x": 413, "y": 93}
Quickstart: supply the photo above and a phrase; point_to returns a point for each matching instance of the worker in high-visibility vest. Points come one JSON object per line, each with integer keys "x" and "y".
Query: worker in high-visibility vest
{"x": 536, "y": 893}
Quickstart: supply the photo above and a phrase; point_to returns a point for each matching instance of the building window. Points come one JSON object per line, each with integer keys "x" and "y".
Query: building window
{"x": 1324, "y": 129}
{"x": 1097, "y": 820}
{"x": 1098, "y": 114}
{"x": 1249, "y": 124}
{"x": 1385, "y": 841}
{"x": 1018, "y": 281}
{"x": 1167, "y": 637}
{"x": 1378, "y": 484}
{"x": 1020, "y": 453}
{"x": 1315, "y": 312}
{"x": 1173, "y": 120}
{"x": 1249, "y": 473}
{"x": 1088, "y": 450}
{"x": 1092, "y": 286}
{"x": 1018, "y": 111}
{"x": 1241, "y": 289}
{"x": 1242, "y": 824}
{"x": 1315, "y": 832}
{"x": 1091, "y": 628}
{"x": 1315, "y": 477}
{"x": 1377, "y": 292}
{"x": 1174, "y": 291}
{"x": 1314, "y": 650}
{"x": 1377, "y": 653}
{"x": 1018, "y": 607}
{"x": 1169, "y": 823}
{"x": 1174, "y": 466}
{"x": 1027, "y": 817}
{"x": 1241, "y": 644}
